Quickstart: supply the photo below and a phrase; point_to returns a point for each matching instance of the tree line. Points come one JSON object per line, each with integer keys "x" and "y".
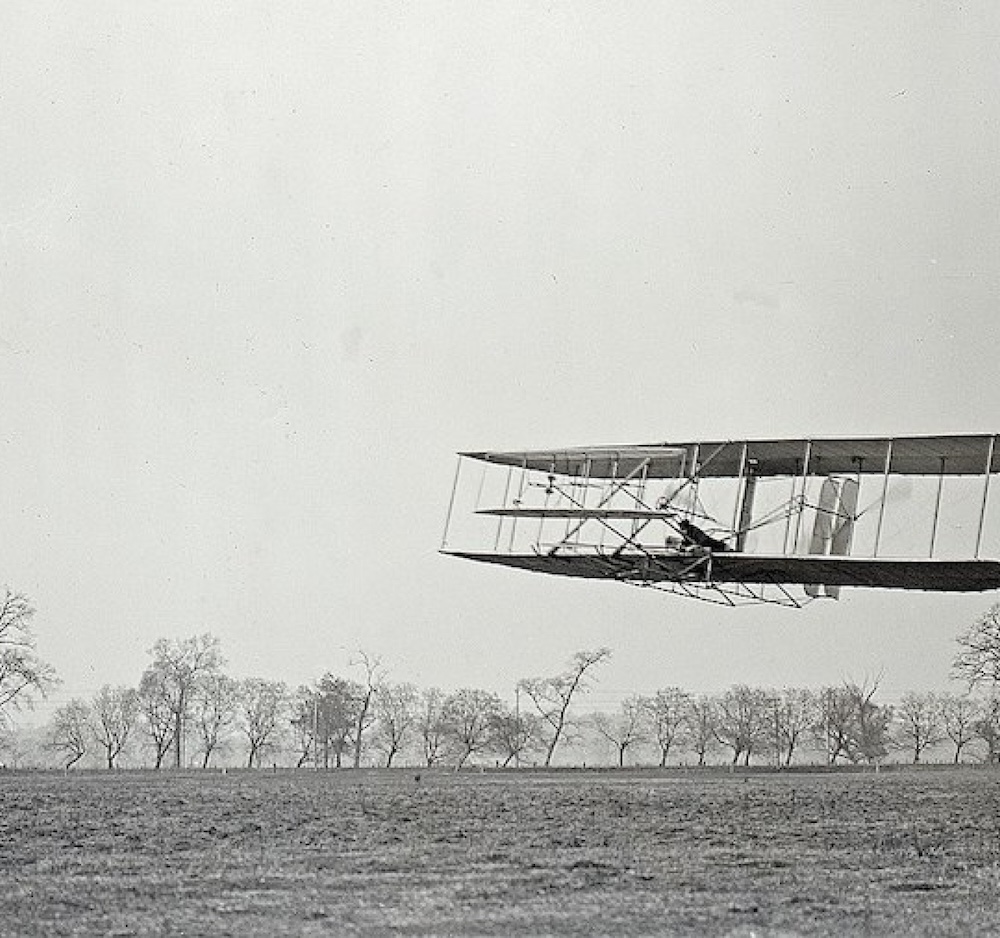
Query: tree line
{"x": 187, "y": 711}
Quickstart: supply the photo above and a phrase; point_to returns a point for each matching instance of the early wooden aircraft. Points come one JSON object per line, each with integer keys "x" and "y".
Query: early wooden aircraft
{"x": 783, "y": 521}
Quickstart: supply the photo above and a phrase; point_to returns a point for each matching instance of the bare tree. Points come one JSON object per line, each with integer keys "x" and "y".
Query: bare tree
{"x": 373, "y": 676}
{"x": 700, "y": 735}
{"x": 214, "y": 705}
{"x": 431, "y": 725}
{"x": 987, "y": 728}
{"x": 978, "y": 660}
{"x": 743, "y": 720}
{"x": 156, "y": 707}
{"x": 114, "y": 712}
{"x": 396, "y": 712}
{"x": 919, "y": 723}
{"x": 468, "y": 716}
{"x": 667, "y": 713}
{"x": 835, "y": 722}
{"x": 623, "y": 729}
{"x": 514, "y": 734}
{"x": 869, "y": 738}
{"x": 179, "y": 665}
{"x": 22, "y": 673}
{"x": 795, "y": 710}
{"x": 70, "y": 732}
{"x": 262, "y": 710}
{"x": 303, "y": 714}
{"x": 958, "y": 720}
{"x": 335, "y": 715}
{"x": 552, "y": 696}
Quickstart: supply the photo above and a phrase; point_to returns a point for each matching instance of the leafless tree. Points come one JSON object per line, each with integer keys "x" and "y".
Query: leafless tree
{"x": 70, "y": 731}
{"x": 262, "y": 713}
{"x": 918, "y": 723}
{"x": 958, "y": 720}
{"x": 22, "y": 673}
{"x": 552, "y": 696}
{"x": 373, "y": 676}
{"x": 743, "y": 720}
{"x": 623, "y": 729}
{"x": 335, "y": 714}
{"x": 835, "y": 722}
{"x": 396, "y": 710}
{"x": 468, "y": 716}
{"x": 179, "y": 664}
{"x": 869, "y": 738}
{"x": 514, "y": 734}
{"x": 700, "y": 736}
{"x": 156, "y": 707}
{"x": 114, "y": 712}
{"x": 667, "y": 714}
{"x": 987, "y": 728}
{"x": 978, "y": 661}
{"x": 215, "y": 703}
{"x": 794, "y": 711}
{"x": 431, "y": 725}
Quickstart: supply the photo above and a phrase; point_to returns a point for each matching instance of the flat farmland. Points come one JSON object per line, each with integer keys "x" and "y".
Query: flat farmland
{"x": 561, "y": 853}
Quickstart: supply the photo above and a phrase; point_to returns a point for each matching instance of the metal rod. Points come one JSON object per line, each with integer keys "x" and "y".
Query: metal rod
{"x": 937, "y": 507}
{"x": 451, "y": 504}
{"x": 885, "y": 492}
{"x": 986, "y": 495}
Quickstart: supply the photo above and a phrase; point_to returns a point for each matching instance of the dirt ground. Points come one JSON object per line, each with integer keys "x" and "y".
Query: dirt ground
{"x": 565, "y": 853}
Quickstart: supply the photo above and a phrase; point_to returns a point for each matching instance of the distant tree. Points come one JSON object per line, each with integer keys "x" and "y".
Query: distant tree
{"x": 918, "y": 723}
{"x": 22, "y": 673}
{"x": 114, "y": 712}
{"x": 552, "y": 696}
{"x": 70, "y": 731}
{"x": 667, "y": 715}
{"x": 179, "y": 665}
{"x": 396, "y": 709}
{"x": 304, "y": 720}
{"x": 431, "y": 725}
{"x": 214, "y": 706}
{"x": 794, "y": 712}
{"x": 835, "y": 724}
{"x": 743, "y": 720}
{"x": 468, "y": 716}
{"x": 156, "y": 708}
{"x": 623, "y": 729}
{"x": 700, "y": 736}
{"x": 515, "y": 734}
{"x": 869, "y": 738}
{"x": 261, "y": 715}
{"x": 987, "y": 728}
{"x": 978, "y": 659}
{"x": 958, "y": 720}
{"x": 373, "y": 676}
{"x": 338, "y": 703}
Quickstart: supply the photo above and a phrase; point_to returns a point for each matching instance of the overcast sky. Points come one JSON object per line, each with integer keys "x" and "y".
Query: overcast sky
{"x": 264, "y": 268}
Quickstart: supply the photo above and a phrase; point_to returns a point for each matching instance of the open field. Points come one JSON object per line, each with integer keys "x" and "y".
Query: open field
{"x": 565, "y": 853}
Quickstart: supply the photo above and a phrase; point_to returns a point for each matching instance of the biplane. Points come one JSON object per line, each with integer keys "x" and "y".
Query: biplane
{"x": 785, "y": 520}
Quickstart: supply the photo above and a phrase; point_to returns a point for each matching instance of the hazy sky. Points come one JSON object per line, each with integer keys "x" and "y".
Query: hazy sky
{"x": 264, "y": 267}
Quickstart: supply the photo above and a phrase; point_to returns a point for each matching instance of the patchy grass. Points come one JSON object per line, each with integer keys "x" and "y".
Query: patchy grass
{"x": 566, "y": 853}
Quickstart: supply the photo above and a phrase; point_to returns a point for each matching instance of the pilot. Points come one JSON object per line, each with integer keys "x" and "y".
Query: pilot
{"x": 694, "y": 536}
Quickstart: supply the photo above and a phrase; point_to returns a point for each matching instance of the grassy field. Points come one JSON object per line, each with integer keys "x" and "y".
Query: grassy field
{"x": 566, "y": 853}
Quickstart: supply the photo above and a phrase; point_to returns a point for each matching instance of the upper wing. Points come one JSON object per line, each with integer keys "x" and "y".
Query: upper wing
{"x": 961, "y": 454}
